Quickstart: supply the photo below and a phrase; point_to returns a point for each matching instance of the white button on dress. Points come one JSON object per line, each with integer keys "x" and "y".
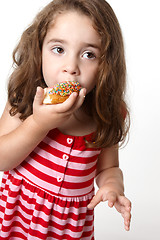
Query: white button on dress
{"x": 69, "y": 140}
{"x": 59, "y": 179}
{"x": 65, "y": 157}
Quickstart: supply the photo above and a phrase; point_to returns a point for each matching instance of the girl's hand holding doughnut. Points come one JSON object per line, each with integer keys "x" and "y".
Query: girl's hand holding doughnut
{"x": 48, "y": 117}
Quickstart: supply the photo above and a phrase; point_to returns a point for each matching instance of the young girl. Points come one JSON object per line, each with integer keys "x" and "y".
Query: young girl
{"x": 50, "y": 155}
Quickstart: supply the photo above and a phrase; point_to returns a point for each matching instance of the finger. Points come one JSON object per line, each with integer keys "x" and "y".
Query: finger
{"x": 83, "y": 92}
{"x": 68, "y": 104}
{"x": 127, "y": 220}
{"x": 111, "y": 197}
{"x": 127, "y": 227}
{"x": 80, "y": 99}
{"x": 119, "y": 208}
{"x": 73, "y": 102}
{"x": 38, "y": 99}
{"x": 125, "y": 214}
{"x": 127, "y": 217}
{"x": 125, "y": 202}
{"x": 95, "y": 201}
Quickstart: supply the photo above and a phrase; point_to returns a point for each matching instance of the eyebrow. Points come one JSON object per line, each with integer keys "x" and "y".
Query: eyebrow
{"x": 93, "y": 45}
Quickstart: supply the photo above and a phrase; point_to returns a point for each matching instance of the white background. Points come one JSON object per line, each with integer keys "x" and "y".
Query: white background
{"x": 139, "y": 160}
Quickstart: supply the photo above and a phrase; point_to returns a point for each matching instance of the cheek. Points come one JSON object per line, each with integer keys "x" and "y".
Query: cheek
{"x": 89, "y": 83}
{"x": 46, "y": 64}
{"x": 48, "y": 68}
{"x": 47, "y": 75}
{"x": 92, "y": 78}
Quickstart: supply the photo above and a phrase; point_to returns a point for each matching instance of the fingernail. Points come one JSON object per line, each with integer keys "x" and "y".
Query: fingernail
{"x": 127, "y": 228}
{"x": 84, "y": 92}
{"x": 38, "y": 88}
{"x": 111, "y": 204}
{"x": 74, "y": 94}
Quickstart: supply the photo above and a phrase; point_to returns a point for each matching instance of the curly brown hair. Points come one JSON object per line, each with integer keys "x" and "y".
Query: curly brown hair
{"x": 109, "y": 109}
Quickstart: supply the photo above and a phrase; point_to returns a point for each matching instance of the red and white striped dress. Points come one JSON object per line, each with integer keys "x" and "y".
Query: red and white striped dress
{"x": 46, "y": 197}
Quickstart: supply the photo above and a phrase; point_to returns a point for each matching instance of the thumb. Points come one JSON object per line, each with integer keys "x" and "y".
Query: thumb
{"x": 95, "y": 200}
{"x": 38, "y": 99}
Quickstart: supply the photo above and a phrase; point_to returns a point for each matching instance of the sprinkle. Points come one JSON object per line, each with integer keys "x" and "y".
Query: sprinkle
{"x": 66, "y": 88}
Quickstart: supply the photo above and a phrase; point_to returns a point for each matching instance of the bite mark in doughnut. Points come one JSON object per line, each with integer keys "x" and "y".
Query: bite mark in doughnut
{"x": 60, "y": 92}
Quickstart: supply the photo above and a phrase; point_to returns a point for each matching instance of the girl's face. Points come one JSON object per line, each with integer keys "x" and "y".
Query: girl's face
{"x": 71, "y": 51}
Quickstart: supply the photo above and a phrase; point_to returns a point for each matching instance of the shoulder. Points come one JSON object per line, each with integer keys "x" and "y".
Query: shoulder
{"x": 7, "y": 122}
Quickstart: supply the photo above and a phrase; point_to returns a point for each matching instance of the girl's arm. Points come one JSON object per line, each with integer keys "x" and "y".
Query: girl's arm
{"x": 109, "y": 179}
{"x": 18, "y": 139}
{"x": 108, "y": 171}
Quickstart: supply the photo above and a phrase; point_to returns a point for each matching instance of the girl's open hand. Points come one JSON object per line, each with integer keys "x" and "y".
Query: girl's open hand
{"x": 121, "y": 203}
{"x": 51, "y": 116}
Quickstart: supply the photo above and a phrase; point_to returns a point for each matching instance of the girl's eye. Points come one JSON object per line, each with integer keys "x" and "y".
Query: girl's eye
{"x": 58, "y": 50}
{"x": 89, "y": 55}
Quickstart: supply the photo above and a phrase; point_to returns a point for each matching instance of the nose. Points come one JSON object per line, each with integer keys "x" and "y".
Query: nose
{"x": 71, "y": 66}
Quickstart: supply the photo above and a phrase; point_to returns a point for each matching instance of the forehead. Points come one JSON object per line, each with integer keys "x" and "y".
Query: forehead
{"x": 74, "y": 24}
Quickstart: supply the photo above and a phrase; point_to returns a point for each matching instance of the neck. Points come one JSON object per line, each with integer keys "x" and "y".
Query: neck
{"x": 79, "y": 124}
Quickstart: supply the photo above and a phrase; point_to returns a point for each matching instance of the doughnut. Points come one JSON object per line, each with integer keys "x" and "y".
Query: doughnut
{"x": 60, "y": 92}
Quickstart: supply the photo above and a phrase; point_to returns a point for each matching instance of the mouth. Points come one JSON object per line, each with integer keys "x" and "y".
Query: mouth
{"x": 69, "y": 80}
